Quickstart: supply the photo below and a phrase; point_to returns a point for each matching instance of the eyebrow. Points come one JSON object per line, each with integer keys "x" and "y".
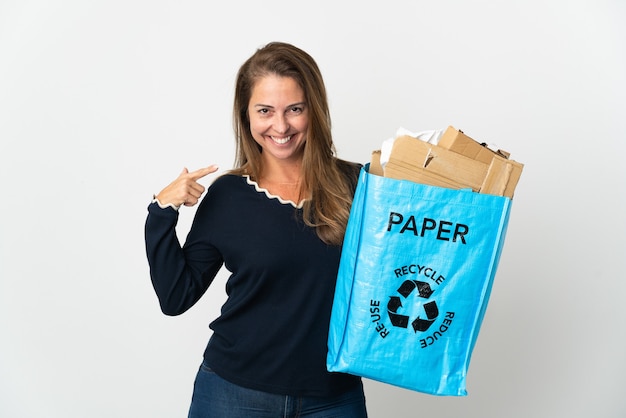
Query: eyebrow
{"x": 288, "y": 106}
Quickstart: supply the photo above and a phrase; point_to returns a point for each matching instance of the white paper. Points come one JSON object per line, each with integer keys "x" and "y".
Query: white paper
{"x": 431, "y": 137}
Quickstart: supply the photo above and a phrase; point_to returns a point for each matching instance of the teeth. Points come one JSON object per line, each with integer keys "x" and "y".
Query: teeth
{"x": 281, "y": 140}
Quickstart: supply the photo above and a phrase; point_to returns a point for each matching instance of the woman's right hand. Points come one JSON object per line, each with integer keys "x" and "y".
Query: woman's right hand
{"x": 185, "y": 190}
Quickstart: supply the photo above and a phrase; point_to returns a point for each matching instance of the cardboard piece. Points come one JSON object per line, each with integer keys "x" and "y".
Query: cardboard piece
{"x": 439, "y": 162}
{"x": 398, "y": 171}
{"x": 375, "y": 167}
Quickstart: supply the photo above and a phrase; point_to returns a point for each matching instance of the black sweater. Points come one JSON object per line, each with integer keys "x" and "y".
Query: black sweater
{"x": 273, "y": 329}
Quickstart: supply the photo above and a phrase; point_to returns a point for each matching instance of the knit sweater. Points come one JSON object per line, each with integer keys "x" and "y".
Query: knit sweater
{"x": 272, "y": 332}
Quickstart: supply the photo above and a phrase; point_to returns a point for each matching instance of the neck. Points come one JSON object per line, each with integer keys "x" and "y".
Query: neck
{"x": 284, "y": 180}
{"x": 283, "y": 173}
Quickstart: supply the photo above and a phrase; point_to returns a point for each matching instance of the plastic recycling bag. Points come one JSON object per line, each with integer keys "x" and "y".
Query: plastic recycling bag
{"x": 416, "y": 272}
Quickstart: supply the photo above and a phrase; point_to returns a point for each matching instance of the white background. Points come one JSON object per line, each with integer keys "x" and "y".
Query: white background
{"x": 102, "y": 103}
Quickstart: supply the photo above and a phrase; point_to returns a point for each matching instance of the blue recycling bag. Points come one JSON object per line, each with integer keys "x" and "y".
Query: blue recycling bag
{"x": 416, "y": 271}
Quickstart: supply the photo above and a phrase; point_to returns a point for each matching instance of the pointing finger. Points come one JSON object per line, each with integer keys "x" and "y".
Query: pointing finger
{"x": 198, "y": 174}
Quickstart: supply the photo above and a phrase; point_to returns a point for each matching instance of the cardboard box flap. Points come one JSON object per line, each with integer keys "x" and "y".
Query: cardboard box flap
{"x": 455, "y": 140}
{"x": 502, "y": 177}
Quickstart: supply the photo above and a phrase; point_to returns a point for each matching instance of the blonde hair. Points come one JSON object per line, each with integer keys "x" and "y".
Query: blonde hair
{"x": 329, "y": 180}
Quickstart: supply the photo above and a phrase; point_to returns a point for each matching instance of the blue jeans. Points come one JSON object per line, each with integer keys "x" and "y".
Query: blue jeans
{"x": 214, "y": 397}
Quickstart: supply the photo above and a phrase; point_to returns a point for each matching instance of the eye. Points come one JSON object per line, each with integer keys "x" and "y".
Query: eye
{"x": 296, "y": 109}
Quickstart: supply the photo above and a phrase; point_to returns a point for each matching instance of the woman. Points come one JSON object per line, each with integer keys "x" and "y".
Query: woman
{"x": 276, "y": 222}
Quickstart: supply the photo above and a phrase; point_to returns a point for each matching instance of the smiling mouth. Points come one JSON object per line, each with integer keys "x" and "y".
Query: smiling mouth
{"x": 282, "y": 140}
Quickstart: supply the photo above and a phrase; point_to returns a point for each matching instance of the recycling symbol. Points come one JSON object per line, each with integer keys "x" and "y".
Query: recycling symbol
{"x": 430, "y": 308}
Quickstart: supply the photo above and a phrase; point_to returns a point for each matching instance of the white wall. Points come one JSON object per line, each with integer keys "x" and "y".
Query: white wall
{"x": 103, "y": 102}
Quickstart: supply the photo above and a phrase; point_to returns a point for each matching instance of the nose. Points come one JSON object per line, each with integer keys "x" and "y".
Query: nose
{"x": 281, "y": 125}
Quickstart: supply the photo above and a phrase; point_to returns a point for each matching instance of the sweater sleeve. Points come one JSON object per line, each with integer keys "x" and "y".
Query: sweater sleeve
{"x": 179, "y": 276}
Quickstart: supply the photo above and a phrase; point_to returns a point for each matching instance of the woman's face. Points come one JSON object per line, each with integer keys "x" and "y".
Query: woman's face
{"x": 278, "y": 118}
